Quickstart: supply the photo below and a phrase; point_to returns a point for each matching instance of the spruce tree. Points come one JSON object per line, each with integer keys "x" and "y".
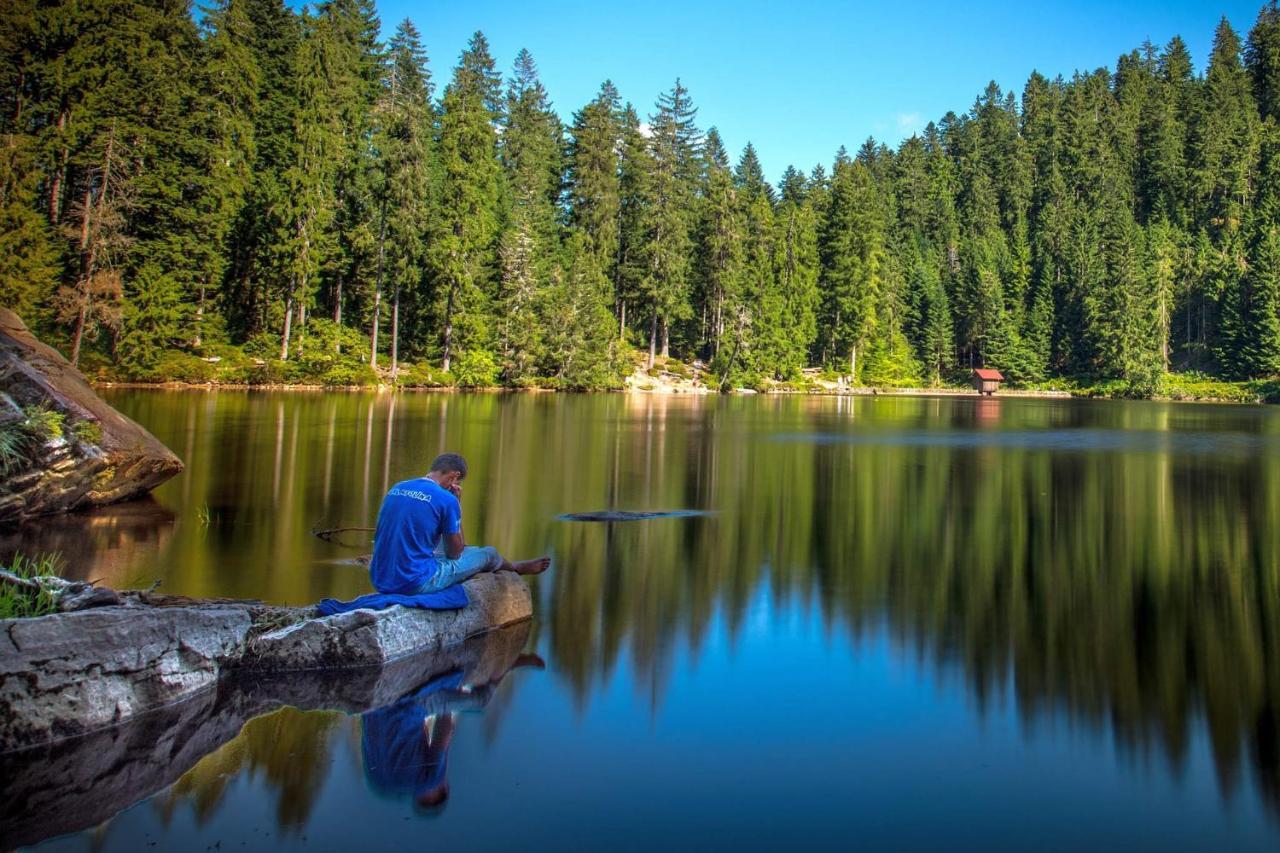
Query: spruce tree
{"x": 635, "y": 209}
{"x": 720, "y": 247}
{"x": 667, "y": 252}
{"x": 796, "y": 269}
{"x": 309, "y": 203}
{"x": 407, "y": 189}
{"x": 1262, "y": 59}
{"x": 1252, "y": 313}
{"x": 29, "y": 262}
{"x": 257, "y": 260}
{"x": 532, "y": 148}
{"x": 230, "y": 81}
{"x": 748, "y": 176}
{"x": 594, "y": 175}
{"x": 354, "y": 69}
{"x": 581, "y": 346}
{"x": 760, "y": 322}
{"x": 464, "y": 242}
{"x": 1224, "y": 137}
{"x": 852, "y": 264}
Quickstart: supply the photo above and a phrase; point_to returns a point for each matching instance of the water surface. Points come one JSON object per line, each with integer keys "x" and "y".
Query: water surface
{"x": 915, "y": 623}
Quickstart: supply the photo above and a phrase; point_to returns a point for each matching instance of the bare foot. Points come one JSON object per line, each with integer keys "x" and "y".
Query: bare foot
{"x": 531, "y": 567}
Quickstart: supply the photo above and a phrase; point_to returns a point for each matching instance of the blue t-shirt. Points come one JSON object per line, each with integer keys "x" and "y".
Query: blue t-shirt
{"x": 398, "y": 757}
{"x": 414, "y": 515}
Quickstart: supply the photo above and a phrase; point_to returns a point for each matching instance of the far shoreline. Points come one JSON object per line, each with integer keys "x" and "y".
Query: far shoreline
{"x": 678, "y": 391}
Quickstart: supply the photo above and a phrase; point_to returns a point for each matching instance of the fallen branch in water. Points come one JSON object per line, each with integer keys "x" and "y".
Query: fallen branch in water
{"x": 20, "y": 582}
{"x": 67, "y": 595}
{"x": 328, "y": 533}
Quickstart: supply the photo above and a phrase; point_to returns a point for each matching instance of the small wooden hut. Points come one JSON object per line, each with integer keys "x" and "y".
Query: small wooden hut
{"x": 987, "y": 381}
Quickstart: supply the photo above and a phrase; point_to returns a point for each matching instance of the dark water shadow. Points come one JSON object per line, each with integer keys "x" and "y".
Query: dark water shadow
{"x": 104, "y": 543}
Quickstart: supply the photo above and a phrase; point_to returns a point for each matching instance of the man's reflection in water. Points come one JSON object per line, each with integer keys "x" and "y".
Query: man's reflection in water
{"x": 406, "y": 744}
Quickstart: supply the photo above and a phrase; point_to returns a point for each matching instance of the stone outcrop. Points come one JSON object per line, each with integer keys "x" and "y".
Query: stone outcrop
{"x": 69, "y": 674}
{"x": 102, "y": 456}
{"x": 76, "y": 784}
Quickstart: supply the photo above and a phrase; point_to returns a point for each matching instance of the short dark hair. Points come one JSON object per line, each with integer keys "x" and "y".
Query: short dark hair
{"x": 447, "y": 463}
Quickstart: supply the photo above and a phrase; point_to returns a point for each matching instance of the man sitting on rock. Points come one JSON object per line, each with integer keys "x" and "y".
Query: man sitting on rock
{"x": 419, "y": 547}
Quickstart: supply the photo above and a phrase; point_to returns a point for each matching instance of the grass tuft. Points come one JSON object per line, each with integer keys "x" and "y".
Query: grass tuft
{"x": 18, "y": 602}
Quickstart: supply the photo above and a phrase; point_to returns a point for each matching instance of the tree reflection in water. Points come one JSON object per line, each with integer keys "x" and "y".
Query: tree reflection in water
{"x": 1117, "y": 563}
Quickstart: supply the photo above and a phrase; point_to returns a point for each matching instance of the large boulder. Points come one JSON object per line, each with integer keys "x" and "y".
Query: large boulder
{"x": 71, "y": 673}
{"x": 100, "y": 458}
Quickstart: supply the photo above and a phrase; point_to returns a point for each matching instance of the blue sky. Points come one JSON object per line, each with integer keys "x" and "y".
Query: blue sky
{"x": 801, "y": 78}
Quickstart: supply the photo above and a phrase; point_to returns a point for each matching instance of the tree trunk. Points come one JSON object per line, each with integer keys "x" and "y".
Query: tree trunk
{"x": 622, "y": 319}
{"x": 288, "y": 326}
{"x": 89, "y": 244}
{"x": 199, "y": 318}
{"x": 653, "y": 338}
{"x": 395, "y": 333}
{"x": 59, "y": 174}
{"x": 86, "y": 270}
{"x": 448, "y": 333}
{"x": 717, "y": 325}
{"x": 337, "y": 309}
{"x": 79, "y": 334}
{"x": 666, "y": 338}
{"x": 377, "y": 288}
{"x": 853, "y": 365}
{"x": 1164, "y": 330}
{"x": 373, "y": 334}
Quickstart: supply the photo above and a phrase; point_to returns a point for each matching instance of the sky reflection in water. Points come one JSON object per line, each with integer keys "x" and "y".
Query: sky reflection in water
{"x": 914, "y": 622}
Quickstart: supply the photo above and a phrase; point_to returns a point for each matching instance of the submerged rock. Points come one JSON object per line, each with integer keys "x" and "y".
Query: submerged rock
{"x": 88, "y": 455}
{"x": 69, "y": 674}
{"x": 628, "y": 515}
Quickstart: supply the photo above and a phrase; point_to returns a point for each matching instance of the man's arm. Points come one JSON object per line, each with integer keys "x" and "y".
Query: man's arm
{"x": 455, "y": 542}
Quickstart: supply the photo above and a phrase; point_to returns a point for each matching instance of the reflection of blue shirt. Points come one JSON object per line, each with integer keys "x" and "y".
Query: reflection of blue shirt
{"x": 413, "y": 517}
{"x": 398, "y": 760}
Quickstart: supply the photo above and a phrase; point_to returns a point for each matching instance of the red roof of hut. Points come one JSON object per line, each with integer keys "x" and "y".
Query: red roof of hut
{"x": 986, "y": 373}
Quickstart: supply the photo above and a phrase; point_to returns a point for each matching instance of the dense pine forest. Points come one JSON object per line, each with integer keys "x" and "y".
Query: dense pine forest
{"x": 249, "y": 193}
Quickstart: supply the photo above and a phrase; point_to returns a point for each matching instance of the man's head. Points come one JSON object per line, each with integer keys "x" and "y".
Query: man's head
{"x": 448, "y": 469}
{"x": 433, "y": 798}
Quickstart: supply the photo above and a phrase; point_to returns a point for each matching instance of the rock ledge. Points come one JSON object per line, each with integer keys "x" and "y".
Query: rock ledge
{"x": 69, "y": 674}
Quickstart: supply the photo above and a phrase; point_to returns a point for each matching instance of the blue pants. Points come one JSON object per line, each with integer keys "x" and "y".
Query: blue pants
{"x": 471, "y": 561}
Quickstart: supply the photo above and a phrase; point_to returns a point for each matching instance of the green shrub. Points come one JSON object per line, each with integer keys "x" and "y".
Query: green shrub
{"x": 18, "y": 602}
{"x": 349, "y": 373}
{"x": 269, "y": 372}
{"x": 421, "y": 375}
{"x": 476, "y": 369}
{"x": 177, "y": 366}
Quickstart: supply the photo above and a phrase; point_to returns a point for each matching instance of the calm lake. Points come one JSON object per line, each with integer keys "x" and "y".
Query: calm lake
{"x": 905, "y": 623}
